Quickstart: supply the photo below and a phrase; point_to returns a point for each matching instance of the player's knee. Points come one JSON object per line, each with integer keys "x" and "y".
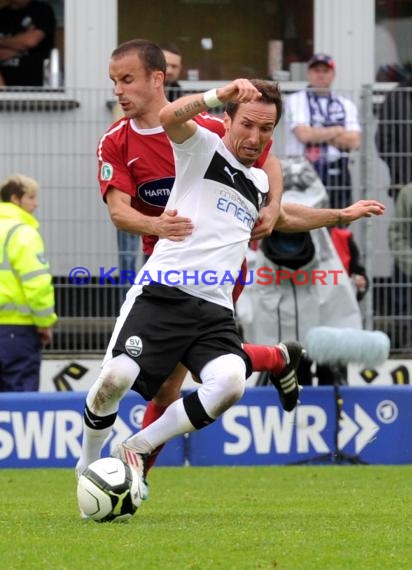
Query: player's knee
{"x": 226, "y": 377}
{"x": 116, "y": 378}
{"x": 233, "y": 386}
{"x": 120, "y": 373}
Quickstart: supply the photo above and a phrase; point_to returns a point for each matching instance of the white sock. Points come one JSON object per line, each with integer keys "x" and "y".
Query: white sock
{"x": 93, "y": 441}
{"x": 103, "y": 401}
{"x": 223, "y": 384}
{"x": 172, "y": 423}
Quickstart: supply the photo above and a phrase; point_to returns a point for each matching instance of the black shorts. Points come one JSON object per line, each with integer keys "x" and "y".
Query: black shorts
{"x": 166, "y": 326}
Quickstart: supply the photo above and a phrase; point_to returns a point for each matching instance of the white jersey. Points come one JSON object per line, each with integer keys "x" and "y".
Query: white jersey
{"x": 222, "y": 197}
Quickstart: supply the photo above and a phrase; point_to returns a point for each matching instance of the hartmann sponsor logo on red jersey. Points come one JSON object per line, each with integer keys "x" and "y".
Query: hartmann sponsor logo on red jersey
{"x": 156, "y": 192}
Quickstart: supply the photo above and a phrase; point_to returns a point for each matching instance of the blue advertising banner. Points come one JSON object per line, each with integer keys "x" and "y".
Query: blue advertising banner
{"x": 256, "y": 431}
{"x": 374, "y": 426}
{"x": 44, "y": 429}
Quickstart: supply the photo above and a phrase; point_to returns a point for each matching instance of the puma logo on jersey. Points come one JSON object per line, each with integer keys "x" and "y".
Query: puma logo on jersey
{"x": 221, "y": 171}
{"x": 231, "y": 174}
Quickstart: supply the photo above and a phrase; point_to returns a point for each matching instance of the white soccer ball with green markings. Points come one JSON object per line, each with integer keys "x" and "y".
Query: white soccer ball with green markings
{"x": 108, "y": 490}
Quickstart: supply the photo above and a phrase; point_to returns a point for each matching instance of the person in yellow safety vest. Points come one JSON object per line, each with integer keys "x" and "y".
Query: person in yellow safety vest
{"x": 26, "y": 291}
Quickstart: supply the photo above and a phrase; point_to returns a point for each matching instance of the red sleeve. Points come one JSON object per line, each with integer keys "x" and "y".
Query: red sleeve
{"x": 240, "y": 283}
{"x": 112, "y": 163}
{"x": 211, "y": 122}
{"x": 261, "y": 160}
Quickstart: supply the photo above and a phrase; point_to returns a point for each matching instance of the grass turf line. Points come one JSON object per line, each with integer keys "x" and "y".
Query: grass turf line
{"x": 232, "y": 518}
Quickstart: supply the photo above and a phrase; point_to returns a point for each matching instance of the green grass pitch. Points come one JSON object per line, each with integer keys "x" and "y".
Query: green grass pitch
{"x": 232, "y": 518}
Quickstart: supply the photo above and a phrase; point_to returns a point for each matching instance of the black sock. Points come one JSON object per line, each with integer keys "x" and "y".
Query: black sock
{"x": 196, "y": 412}
{"x": 98, "y": 422}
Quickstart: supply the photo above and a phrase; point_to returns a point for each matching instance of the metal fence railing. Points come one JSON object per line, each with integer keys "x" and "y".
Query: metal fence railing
{"x": 54, "y": 138}
{"x": 389, "y": 247}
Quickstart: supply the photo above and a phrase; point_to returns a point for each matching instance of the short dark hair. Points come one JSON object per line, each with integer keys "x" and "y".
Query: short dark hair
{"x": 172, "y": 48}
{"x": 150, "y": 54}
{"x": 12, "y": 188}
{"x": 17, "y": 185}
{"x": 270, "y": 94}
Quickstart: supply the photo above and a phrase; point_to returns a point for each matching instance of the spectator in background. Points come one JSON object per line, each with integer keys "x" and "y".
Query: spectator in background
{"x": 393, "y": 136}
{"x": 27, "y": 29}
{"x": 324, "y": 127}
{"x": 400, "y": 242}
{"x": 26, "y": 290}
{"x": 350, "y": 256}
{"x": 387, "y": 56}
{"x": 173, "y": 57}
{"x": 128, "y": 248}
{"x": 349, "y": 253}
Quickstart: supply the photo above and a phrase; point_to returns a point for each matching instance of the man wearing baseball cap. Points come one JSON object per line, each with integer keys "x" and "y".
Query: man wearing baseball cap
{"x": 321, "y": 58}
{"x": 324, "y": 127}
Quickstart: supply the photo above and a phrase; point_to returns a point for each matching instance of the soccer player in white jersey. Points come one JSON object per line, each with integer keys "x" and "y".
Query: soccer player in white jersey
{"x": 140, "y": 89}
{"x": 192, "y": 322}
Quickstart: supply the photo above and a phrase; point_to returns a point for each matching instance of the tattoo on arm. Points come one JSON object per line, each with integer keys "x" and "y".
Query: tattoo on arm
{"x": 195, "y": 105}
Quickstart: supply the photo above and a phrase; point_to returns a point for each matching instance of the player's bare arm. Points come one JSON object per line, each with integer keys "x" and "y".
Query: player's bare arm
{"x": 176, "y": 116}
{"x": 298, "y": 218}
{"x": 168, "y": 225}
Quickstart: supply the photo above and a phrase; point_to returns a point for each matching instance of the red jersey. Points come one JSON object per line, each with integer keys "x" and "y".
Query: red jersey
{"x": 341, "y": 238}
{"x": 140, "y": 162}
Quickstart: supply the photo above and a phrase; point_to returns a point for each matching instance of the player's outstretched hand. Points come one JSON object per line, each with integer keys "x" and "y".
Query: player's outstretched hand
{"x": 171, "y": 226}
{"x": 362, "y": 209}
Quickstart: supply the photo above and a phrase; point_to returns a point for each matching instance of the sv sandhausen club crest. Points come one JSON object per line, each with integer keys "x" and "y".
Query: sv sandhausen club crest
{"x": 134, "y": 346}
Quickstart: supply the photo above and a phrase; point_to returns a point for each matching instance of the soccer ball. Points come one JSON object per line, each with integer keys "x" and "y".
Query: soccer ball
{"x": 108, "y": 490}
